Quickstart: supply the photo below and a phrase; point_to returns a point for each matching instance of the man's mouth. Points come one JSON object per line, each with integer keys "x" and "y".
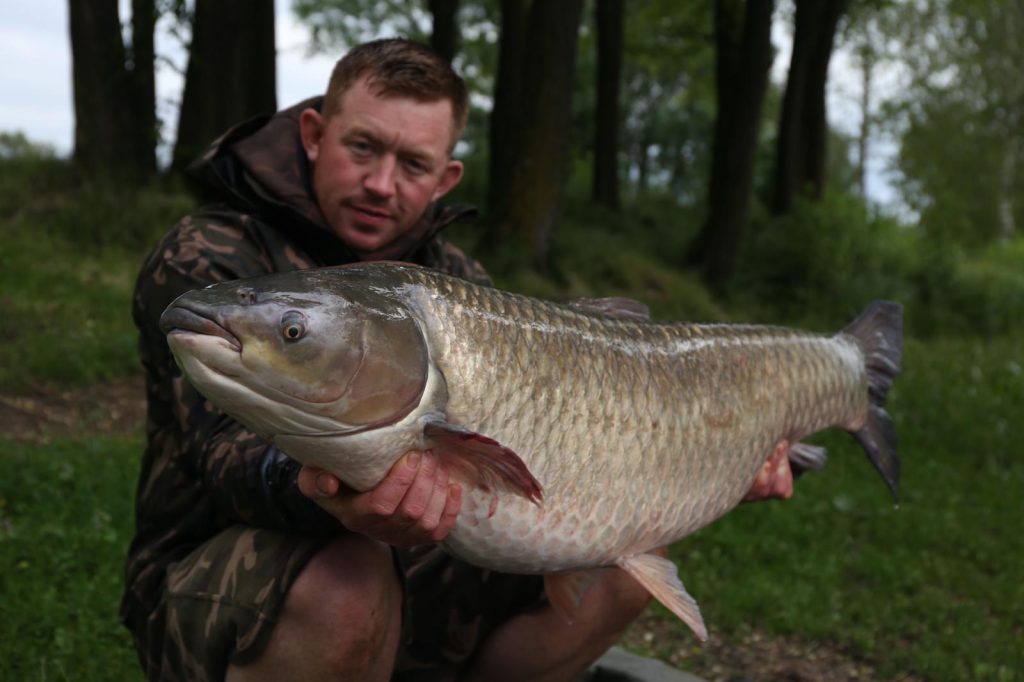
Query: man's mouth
{"x": 371, "y": 214}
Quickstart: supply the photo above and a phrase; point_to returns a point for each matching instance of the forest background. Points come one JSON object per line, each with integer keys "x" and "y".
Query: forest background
{"x": 615, "y": 147}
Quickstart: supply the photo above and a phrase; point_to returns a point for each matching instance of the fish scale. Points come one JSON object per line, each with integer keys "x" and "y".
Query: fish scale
{"x": 582, "y": 435}
{"x": 706, "y": 474}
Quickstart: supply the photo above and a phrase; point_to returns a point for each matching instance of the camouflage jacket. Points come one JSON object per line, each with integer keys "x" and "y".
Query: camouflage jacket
{"x": 202, "y": 471}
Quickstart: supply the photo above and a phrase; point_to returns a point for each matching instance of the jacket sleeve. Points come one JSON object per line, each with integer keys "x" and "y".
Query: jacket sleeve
{"x": 247, "y": 479}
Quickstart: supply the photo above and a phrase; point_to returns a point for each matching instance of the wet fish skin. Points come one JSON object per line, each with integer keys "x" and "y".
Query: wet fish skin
{"x": 582, "y": 440}
{"x": 613, "y": 415}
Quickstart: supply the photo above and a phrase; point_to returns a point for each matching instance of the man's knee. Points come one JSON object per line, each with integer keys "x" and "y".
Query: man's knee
{"x": 342, "y": 614}
{"x": 348, "y": 580}
{"x": 350, "y": 593}
{"x": 617, "y": 599}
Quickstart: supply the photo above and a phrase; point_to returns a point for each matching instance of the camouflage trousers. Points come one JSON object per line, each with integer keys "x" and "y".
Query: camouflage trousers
{"x": 221, "y": 602}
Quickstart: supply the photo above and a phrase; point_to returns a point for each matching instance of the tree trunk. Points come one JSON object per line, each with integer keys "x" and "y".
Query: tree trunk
{"x": 112, "y": 119}
{"x": 143, "y": 83}
{"x": 444, "y": 37}
{"x": 643, "y": 161}
{"x": 231, "y": 73}
{"x": 1007, "y": 180}
{"x": 508, "y": 98}
{"x": 867, "y": 70}
{"x": 803, "y": 129}
{"x": 743, "y": 54}
{"x": 610, "y": 24}
{"x": 540, "y": 167}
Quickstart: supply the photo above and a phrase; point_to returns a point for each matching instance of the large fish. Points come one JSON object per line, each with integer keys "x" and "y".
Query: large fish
{"x": 583, "y": 435}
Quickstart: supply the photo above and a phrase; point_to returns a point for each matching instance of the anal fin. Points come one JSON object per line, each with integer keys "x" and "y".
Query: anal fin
{"x": 661, "y": 578}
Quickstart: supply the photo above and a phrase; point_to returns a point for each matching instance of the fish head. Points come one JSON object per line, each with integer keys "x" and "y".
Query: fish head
{"x": 300, "y": 353}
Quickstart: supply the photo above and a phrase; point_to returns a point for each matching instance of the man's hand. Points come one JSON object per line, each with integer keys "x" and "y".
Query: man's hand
{"x": 775, "y": 480}
{"x": 415, "y": 504}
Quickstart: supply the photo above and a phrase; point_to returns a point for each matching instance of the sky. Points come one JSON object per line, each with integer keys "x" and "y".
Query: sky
{"x": 36, "y": 96}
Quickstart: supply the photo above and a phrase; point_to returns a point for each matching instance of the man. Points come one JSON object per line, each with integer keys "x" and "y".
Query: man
{"x": 247, "y": 568}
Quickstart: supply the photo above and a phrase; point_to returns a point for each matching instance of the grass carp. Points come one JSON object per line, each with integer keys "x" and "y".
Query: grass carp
{"x": 584, "y": 435}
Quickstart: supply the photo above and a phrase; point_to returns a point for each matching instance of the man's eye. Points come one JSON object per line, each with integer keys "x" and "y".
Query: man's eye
{"x": 415, "y": 166}
{"x": 361, "y": 148}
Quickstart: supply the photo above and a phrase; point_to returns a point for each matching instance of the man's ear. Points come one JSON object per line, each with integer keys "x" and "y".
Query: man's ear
{"x": 450, "y": 177}
{"x": 311, "y": 129}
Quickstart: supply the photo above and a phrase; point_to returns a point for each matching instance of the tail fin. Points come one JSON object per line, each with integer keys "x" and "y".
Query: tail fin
{"x": 879, "y": 334}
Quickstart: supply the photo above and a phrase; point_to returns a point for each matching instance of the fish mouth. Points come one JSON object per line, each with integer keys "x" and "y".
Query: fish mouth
{"x": 177, "y": 319}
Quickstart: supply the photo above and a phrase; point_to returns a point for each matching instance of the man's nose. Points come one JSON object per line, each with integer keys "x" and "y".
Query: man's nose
{"x": 380, "y": 180}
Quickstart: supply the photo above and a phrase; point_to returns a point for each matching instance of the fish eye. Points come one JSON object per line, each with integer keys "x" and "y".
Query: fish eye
{"x": 293, "y": 325}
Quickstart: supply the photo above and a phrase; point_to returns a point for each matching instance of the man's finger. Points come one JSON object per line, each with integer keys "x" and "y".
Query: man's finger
{"x": 417, "y": 499}
{"x": 453, "y": 503}
{"x": 438, "y": 500}
{"x": 775, "y": 479}
{"x": 782, "y": 487}
{"x": 314, "y": 482}
{"x": 390, "y": 492}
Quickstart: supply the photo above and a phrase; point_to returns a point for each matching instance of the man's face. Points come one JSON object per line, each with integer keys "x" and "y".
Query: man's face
{"x": 378, "y": 162}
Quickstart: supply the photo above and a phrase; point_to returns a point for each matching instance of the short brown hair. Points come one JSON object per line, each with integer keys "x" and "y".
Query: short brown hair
{"x": 402, "y": 68}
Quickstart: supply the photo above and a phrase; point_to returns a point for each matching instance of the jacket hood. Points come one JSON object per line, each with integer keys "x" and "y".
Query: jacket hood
{"x": 260, "y": 167}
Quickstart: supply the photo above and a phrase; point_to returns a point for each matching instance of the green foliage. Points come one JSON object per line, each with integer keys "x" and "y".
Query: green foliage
{"x": 338, "y": 25}
{"x": 65, "y": 524}
{"x": 828, "y": 255}
{"x": 607, "y": 257}
{"x": 48, "y": 197}
{"x": 826, "y": 261}
{"x": 596, "y": 252}
{"x": 18, "y": 147}
{"x": 818, "y": 267}
{"x": 29, "y": 171}
{"x": 668, "y": 94}
{"x": 68, "y": 257}
{"x": 960, "y": 116}
{"x": 983, "y": 294}
{"x": 958, "y": 202}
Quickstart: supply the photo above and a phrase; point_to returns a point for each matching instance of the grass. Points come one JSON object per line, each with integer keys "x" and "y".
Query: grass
{"x": 932, "y": 588}
{"x": 65, "y": 523}
{"x": 70, "y": 316}
{"x": 68, "y": 260}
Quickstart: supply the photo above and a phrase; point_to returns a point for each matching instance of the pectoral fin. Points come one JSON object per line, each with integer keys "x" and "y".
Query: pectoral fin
{"x": 480, "y": 461}
{"x": 661, "y": 578}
